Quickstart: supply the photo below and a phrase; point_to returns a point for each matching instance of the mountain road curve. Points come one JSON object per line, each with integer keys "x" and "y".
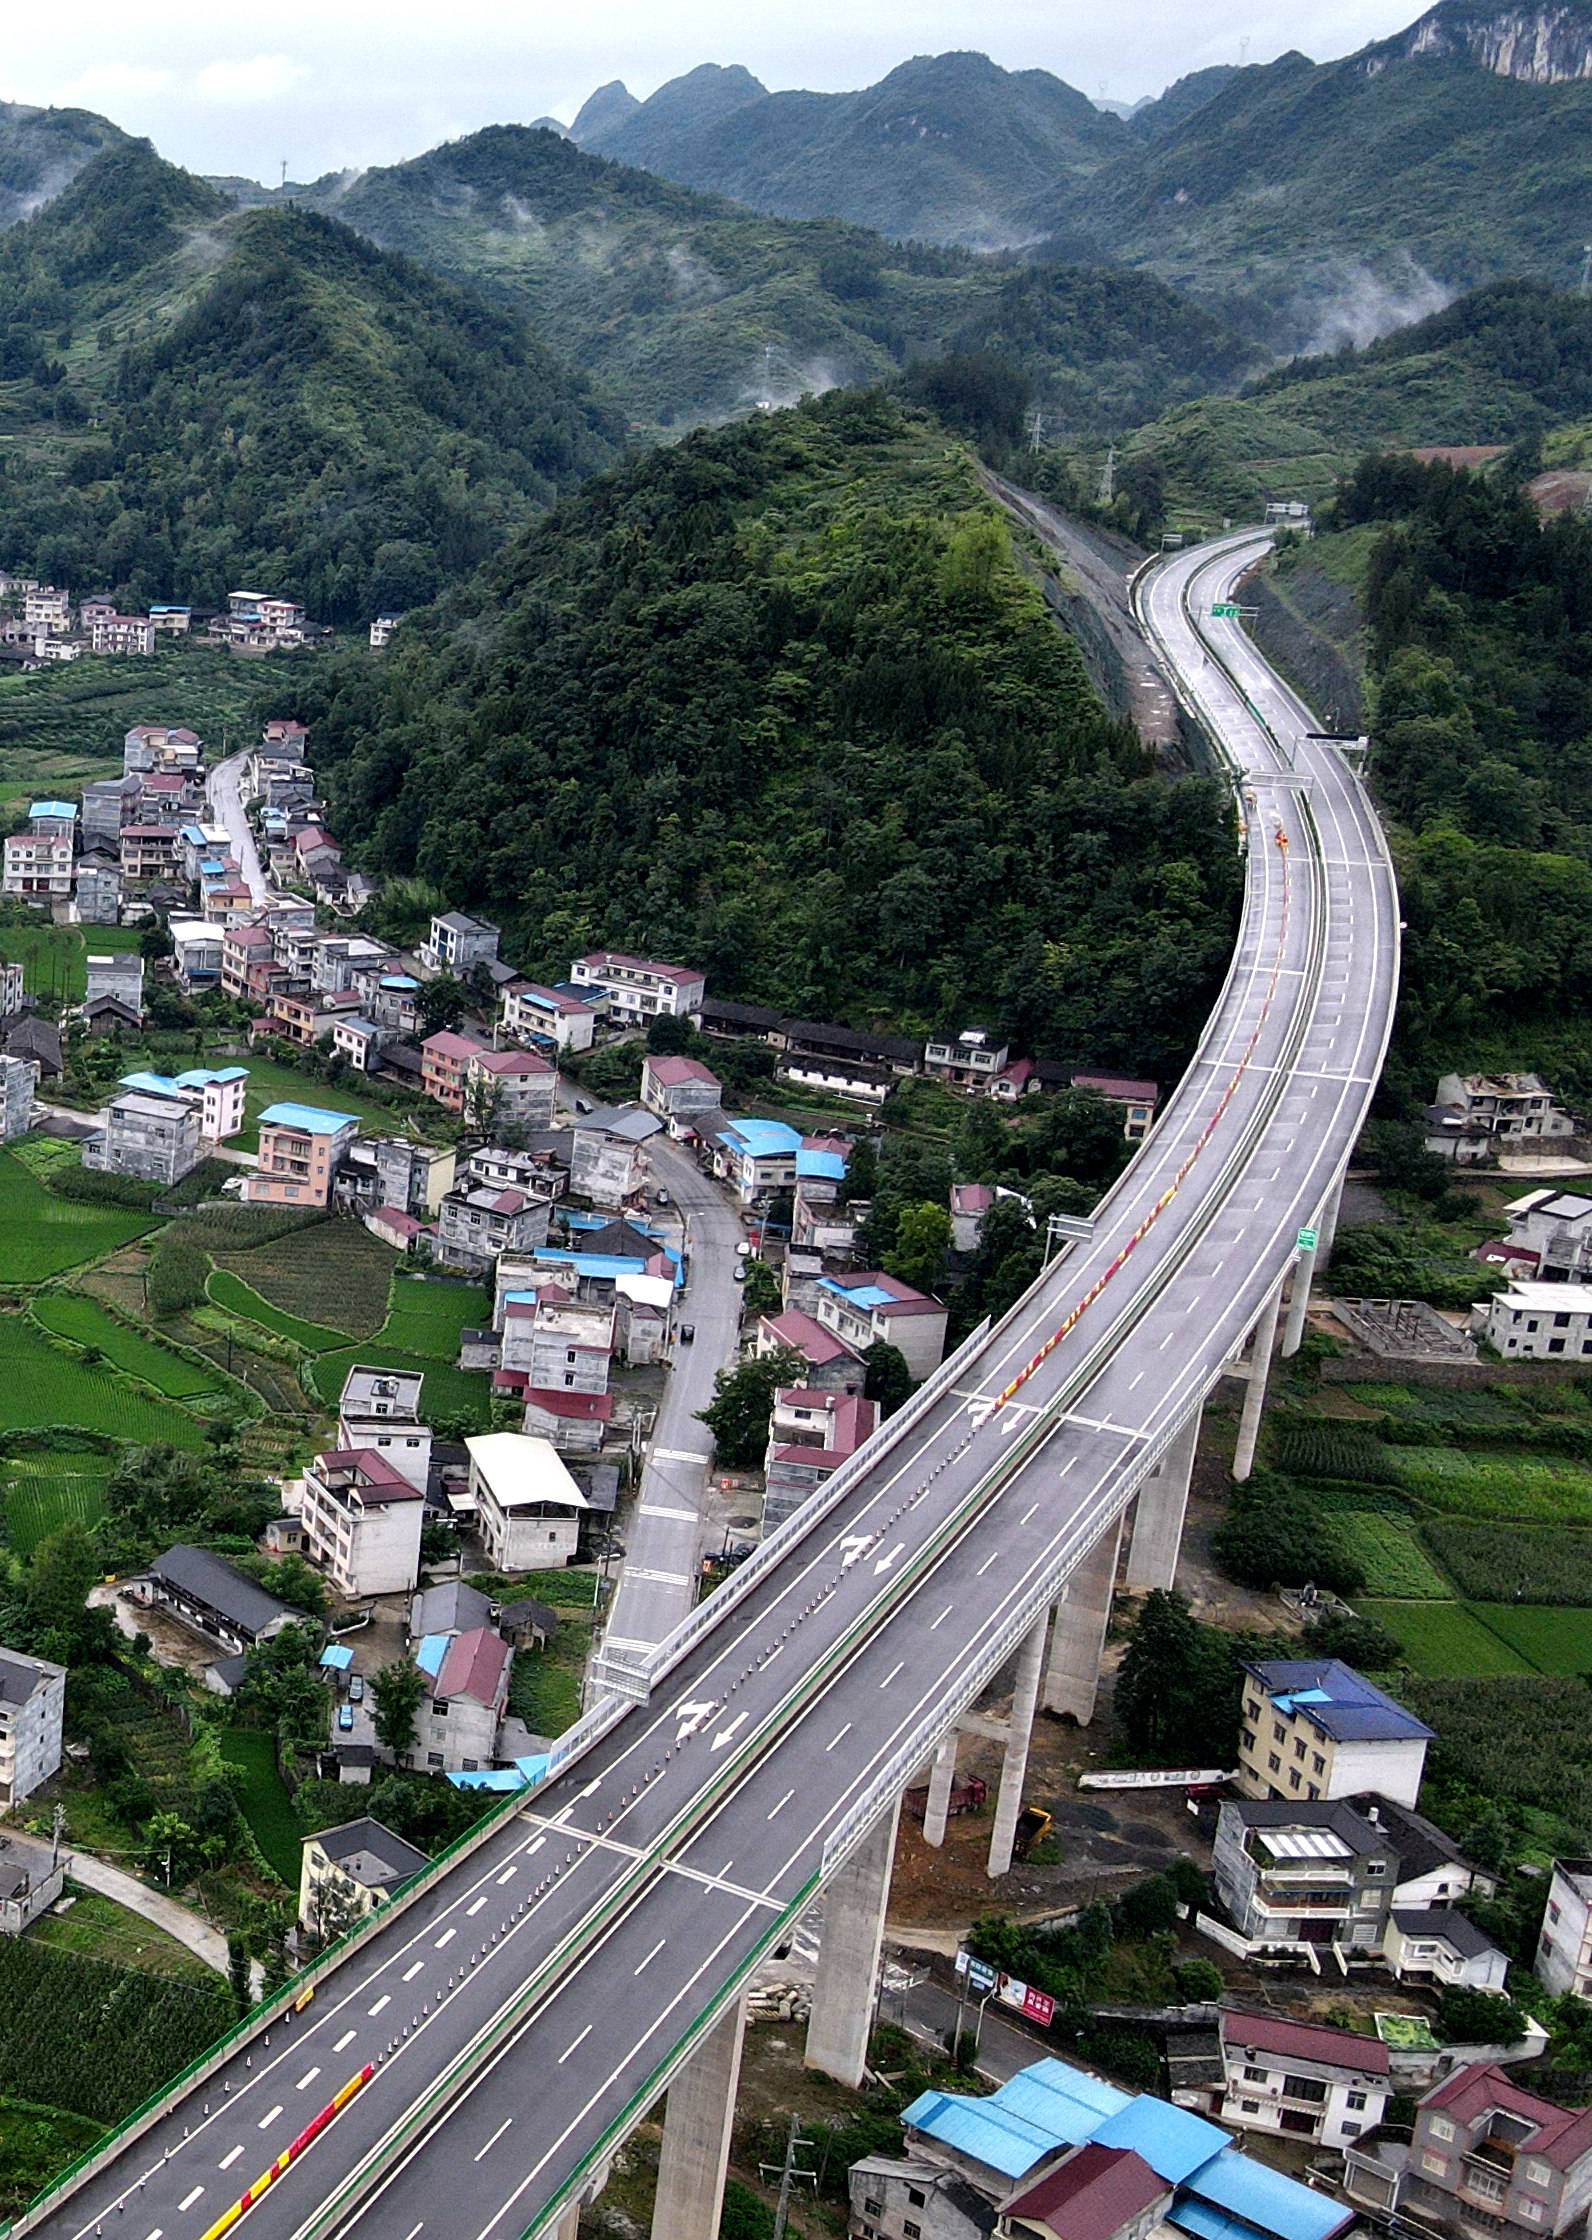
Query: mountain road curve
{"x": 523, "y": 2009}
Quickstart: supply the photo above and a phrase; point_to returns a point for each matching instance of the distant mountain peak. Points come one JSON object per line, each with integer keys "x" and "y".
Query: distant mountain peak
{"x": 1549, "y": 44}
{"x": 603, "y": 111}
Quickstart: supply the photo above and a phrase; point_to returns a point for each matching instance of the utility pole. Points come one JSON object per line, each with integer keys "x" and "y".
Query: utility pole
{"x": 789, "y": 2175}
{"x": 57, "y": 1830}
{"x": 1108, "y": 478}
{"x": 1586, "y": 269}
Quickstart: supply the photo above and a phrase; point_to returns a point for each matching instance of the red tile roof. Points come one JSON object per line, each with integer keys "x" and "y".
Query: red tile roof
{"x": 1562, "y": 2135}
{"x": 793, "y": 1328}
{"x": 445, "y": 1044}
{"x": 1091, "y": 2195}
{"x": 580, "y": 1407}
{"x": 1117, "y": 1086}
{"x": 971, "y": 1197}
{"x": 474, "y": 1665}
{"x": 670, "y": 1072}
{"x": 1306, "y": 2041}
{"x": 511, "y": 1061}
{"x": 379, "y": 1481}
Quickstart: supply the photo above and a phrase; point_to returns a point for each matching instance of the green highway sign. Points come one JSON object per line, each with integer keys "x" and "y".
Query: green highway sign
{"x": 1224, "y": 611}
{"x": 1307, "y": 1240}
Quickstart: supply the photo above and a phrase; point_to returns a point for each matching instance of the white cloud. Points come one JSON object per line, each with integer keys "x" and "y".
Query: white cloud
{"x": 247, "y": 85}
{"x": 112, "y": 85}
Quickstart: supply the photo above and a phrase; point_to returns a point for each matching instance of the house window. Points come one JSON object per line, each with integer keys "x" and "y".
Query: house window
{"x": 1351, "y": 2130}
{"x": 1442, "y": 2128}
{"x": 1318, "y": 1762}
{"x": 1299, "y": 1749}
{"x": 1293, "y": 1777}
{"x": 1357, "y": 2100}
{"x": 1437, "y": 2164}
{"x": 1375, "y": 1871}
{"x": 912, "y": 2231}
{"x": 433, "y": 1757}
{"x": 873, "y": 2208}
{"x": 917, "y": 2198}
{"x": 1531, "y": 2211}
{"x": 1250, "y": 2107}
{"x": 1274, "y": 1762}
{"x": 1538, "y": 2173}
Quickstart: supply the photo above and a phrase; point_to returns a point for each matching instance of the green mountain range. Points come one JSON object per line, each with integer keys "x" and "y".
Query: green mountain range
{"x": 1455, "y": 149}
{"x": 193, "y": 396}
{"x": 42, "y": 151}
{"x": 688, "y": 307}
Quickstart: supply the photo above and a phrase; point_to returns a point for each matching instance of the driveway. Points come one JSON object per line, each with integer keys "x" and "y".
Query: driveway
{"x": 663, "y": 1539}
{"x": 226, "y": 804}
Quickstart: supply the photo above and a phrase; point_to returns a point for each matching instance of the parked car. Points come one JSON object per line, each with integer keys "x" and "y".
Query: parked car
{"x": 356, "y": 1689}
{"x": 740, "y": 1271}
{"x": 345, "y": 1717}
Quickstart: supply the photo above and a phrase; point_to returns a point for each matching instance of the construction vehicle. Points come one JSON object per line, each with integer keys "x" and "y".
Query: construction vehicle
{"x": 1034, "y": 1823}
{"x": 966, "y": 1796}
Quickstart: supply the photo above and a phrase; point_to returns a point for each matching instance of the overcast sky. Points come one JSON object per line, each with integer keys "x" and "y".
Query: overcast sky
{"x": 328, "y": 83}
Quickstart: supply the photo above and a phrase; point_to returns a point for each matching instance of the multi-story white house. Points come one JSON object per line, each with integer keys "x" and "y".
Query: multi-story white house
{"x": 969, "y": 1059}
{"x": 528, "y": 1507}
{"x": 196, "y": 951}
{"x": 348, "y": 1872}
{"x": 457, "y": 944}
{"x": 477, "y": 1224}
{"x": 1302, "y": 2079}
{"x": 362, "y": 1519}
{"x": 38, "y": 865}
{"x": 533, "y": 1013}
{"x": 863, "y": 1309}
{"x": 457, "y": 1730}
{"x": 1316, "y": 1729}
{"x": 1538, "y": 1321}
{"x": 217, "y": 1094}
{"x": 19, "y": 1080}
{"x": 1564, "y": 1949}
{"x": 515, "y": 1088}
{"x": 639, "y": 988}
{"x": 379, "y": 1411}
{"x": 571, "y": 1346}
{"x": 32, "y": 1701}
{"x": 120, "y": 975}
{"x": 678, "y": 1088}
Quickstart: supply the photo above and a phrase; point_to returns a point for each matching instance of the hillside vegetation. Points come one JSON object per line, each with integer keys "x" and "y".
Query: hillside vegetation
{"x": 193, "y": 397}
{"x": 687, "y": 307}
{"x": 779, "y": 700}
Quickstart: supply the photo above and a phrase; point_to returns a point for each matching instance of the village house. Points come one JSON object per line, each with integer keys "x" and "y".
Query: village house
{"x": 1317, "y": 1729}
{"x": 148, "y": 851}
{"x": 560, "y": 1343}
{"x": 456, "y": 1731}
{"x": 477, "y": 1223}
{"x": 675, "y": 1088}
{"x": 757, "y": 1158}
{"x": 511, "y": 1088}
{"x": 970, "y": 1202}
{"x": 32, "y": 1704}
{"x": 172, "y": 621}
{"x": 636, "y": 989}
{"x": 456, "y": 944}
{"x": 444, "y": 1067}
{"x": 19, "y": 1080}
{"x": 46, "y": 611}
{"x": 213, "y": 1598}
{"x": 831, "y": 1364}
{"x": 155, "y": 1138}
{"x": 966, "y": 1059}
{"x": 1338, "y": 1874}
{"x": 528, "y": 1507}
{"x": 812, "y": 1432}
{"x": 362, "y": 1521}
{"x": 379, "y": 1410}
{"x": 1537, "y": 1321}
{"x": 572, "y": 1422}
{"x": 348, "y": 1871}
{"x": 381, "y": 630}
{"x": 301, "y": 1148}
{"x": 817, "y": 1038}
{"x": 1549, "y": 1235}
{"x": 97, "y": 884}
{"x": 533, "y": 1013}
{"x": 393, "y": 1002}
{"x": 536, "y": 1172}
{"x": 411, "y": 1178}
{"x": 1485, "y": 2157}
{"x": 195, "y": 953}
{"x": 120, "y": 975}
{"x": 1564, "y": 1948}
{"x": 1302, "y": 2078}
{"x": 122, "y": 634}
{"x": 360, "y": 1041}
{"x": 218, "y": 1094}
{"x": 108, "y": 804}
{"x": 38, "y": 865}
{"x": 865, "y": 1308}
{"x": 1513, "y": 1109}
{"x": 607, "y": 1163}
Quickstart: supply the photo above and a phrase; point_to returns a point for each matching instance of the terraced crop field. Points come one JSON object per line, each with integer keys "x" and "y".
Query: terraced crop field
{"x": 69, "y": 1315}
{"x": 44, "y": 1492}
{"x": 1531, "y": 1487}
{"x": 426, "y": 1316}
{"x": 230, "y": 1291}
{"x": 42, "y": 1384}
{"x": 1378, "y": 1529}
{"x": 335, "y": 1274}
{"x": 1445, "y": 1639}
{"x": 1550, "y": 1638}
{"x": 42, "y": 1235}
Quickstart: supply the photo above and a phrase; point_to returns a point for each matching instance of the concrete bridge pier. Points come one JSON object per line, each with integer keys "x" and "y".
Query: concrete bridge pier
{"x": 942, "y": 1780}
{"x": 848, "y": 1967}
{"x": 1259, "y": 1374}
{"x": 1327, "y": 1223}
{"x": 697, "y": 2120}
{"x": 1158, "y": 1513}
{"x": 1078, "y": 1637}
{"x": 1014, "y": 1765}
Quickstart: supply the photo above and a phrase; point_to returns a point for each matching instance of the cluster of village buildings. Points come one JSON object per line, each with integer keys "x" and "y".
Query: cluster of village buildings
{"x": 43, "y": 625}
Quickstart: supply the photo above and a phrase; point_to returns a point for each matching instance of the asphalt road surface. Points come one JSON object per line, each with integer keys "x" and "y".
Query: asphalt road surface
{"x": 526, "y": 2009}
{"x": 663, "y": 1538}
{"x": 224, "y": 787}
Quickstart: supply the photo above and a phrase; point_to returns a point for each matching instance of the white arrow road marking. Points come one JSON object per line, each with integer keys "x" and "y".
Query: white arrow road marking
{"x": 885, "y": 1562}
{"x": 979, "y": 1412}
{"x": 856, "y": 1544}
{"x": 693, "y": 1716}
{"x": 729, "y": 1733}
{"x": 1012, "y": 1423}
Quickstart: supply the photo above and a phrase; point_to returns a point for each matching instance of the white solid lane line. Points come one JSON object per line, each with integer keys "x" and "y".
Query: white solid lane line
{"x": 573, "y": 2044}
{"x": 496, "y": 2136}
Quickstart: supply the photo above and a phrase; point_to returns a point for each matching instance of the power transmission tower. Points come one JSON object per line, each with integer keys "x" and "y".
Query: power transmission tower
{"x": 1036, "y": 429}
{"x": 789, "y": 2175}
{"x": 1586, "y": 269}
{"x": 1108, "y": 478}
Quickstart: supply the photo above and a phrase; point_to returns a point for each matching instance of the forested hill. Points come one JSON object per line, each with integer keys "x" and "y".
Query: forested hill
{"x": 197, "y": 397}
{"x": 779, "y": 701}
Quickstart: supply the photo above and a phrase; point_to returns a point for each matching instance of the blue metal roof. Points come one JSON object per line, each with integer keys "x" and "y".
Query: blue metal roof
{"x": 1045, "y": 2106}
{"x": 501, "y": 1782}
{"x": 1171, "y": 2140}
{"x": 828, "y": 1166}
{"x": 604, "y": 1266}
{"x": 1246, "y": 2187}
{"x": 173, "y": 1084}
{"x": 53, "y": 809}
{"x": 1071, "y": 2102}
{"x": 1339, "y": 1700}
{"x": 310, "y": 1117}
{"x": 432, "y": 1650}
{"x": 867, "y": 1295}
{"x": 764, "y": 1139}
{"x": 1206, "y": 2223}
{"x": 335, "y": 1658}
